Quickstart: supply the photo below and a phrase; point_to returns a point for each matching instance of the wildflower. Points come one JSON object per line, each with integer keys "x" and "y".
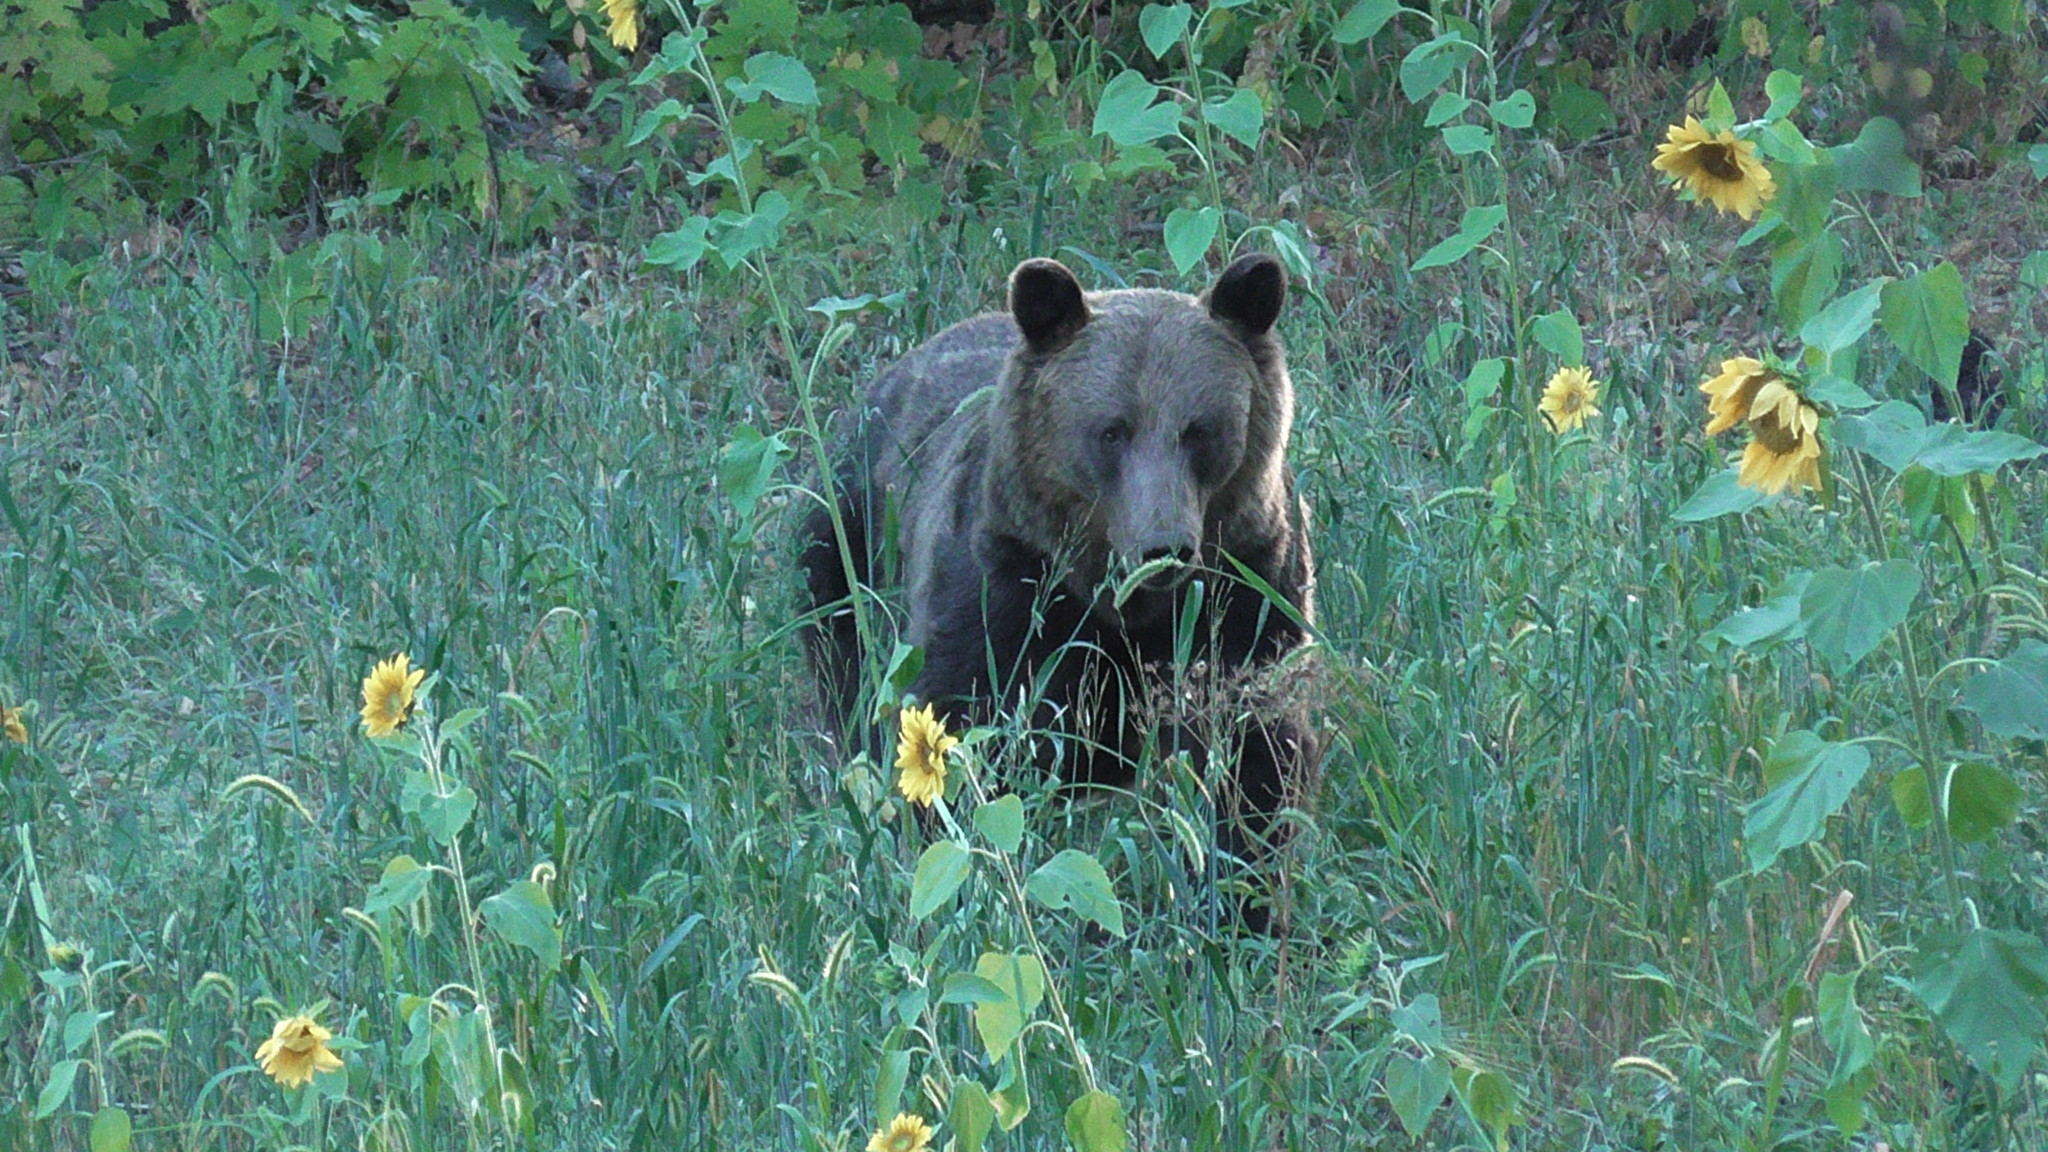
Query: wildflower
{"x": 1568, "y": 399}
{"x": 1730, "y": 394}
{"x": 622, "y": 23}
{"x": 388, "y": 695}
{"x": 11, "y": 724}
{"x": 1784, "y": 446}
{"x": 906, "y": 1133}
{"x": 1719, "y": 169}
{"x": 297, "y": 1048}
{"x": 921, "y": 747}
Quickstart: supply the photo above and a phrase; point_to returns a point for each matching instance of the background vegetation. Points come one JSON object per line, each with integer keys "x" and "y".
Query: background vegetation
{"x": 338, "y": 330}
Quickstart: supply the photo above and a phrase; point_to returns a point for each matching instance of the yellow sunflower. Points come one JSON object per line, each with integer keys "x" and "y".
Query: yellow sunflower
{"x": 388, "y": 695}
{"x": 1784, "y": 446}
{"x": 622, "y": 23}
{"x": 1721, "y": 170}
{"x": 1569, "y": 399}
{"x": 297, "y": 1048}
{"x": 921, "y": 747}
{"x": 1730, "y": 394}
{"x": 11, "y": 724}
{"x": 906, "y": 1133}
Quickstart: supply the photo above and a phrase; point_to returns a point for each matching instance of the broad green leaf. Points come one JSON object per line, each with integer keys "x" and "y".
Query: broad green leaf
{"x": 1981, "y": 801}
{"x": 1416, "y": 1088}
{"x": 1877, "y": 160}
{"x": 1364, "y": 19}
{"x": 1447, "y": 106}
{"x": 1928, "y": 317}
{"x": 1076, "y": 880}
{"x": 2011, "y": 698}
{"x": 1516, "y": 110}
{"x": 1896, "y": 435}
{"x": 1844, "y": 322}
{"x": 1095, "y": 1123}
{"x": 1809, "y": 780}
{"x": 1021, "y": 977}
{"x": 1127, "y": 114}
{"x": 111, "y": 1130}
{"x": 655, "y": 119}
{"x": 1721, "y": 495}
{"x": 1720, "y": 109}
{"x": 1422, "y": 1019}
{"x": 1559, "y": 333}
{"x": 1581, "y": 111}
{"x": 1783, "y": 88}
{"x": 889, "y": 1081}
{"x": 740, "y": 235}
{"x": 1466, "y": 139}
{"x": 1775, "y": 621}
{"x": 79, "y": 1026}
{"x": 1804, "y": 273}
{"x": 1986, "y": 988}
{"x": 1473, "y": 230}
{"x": 1849, "y": 611}
{"x": 1002, "y": 821}
{"x": 1161, "y": 26}
{"x": 682, "y": 248}
{"x": 1189, "y": 232}
{"x": 1909, "y": 796}
{"x": 1431, "y": 63}
{"x": 1492, "y": 1100}
{"x": 747, "y": 466}
{"x": 402, "y": 883}
{"x": 444, "y": 817}
{"x": 967, "y": 988}
{"x": 941, "y": 870}
{"x": 1842, "y": 395}
{"x": 2037, "y": 156}
{"x": 522, "y": 915}
{"x": 1841, "y": 1025}
{"x": 1240, "y": 117}
{"x": 772, "y": 73}
{"x": 57, "y": 1089}
{"x": 1482, "y": 383}
{"x": 970, "y": 1116}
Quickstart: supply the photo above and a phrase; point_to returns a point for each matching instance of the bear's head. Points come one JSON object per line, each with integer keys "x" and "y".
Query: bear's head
{"x": 1141, "y": 425}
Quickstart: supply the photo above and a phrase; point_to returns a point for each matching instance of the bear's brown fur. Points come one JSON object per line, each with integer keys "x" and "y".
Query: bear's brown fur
{"x": 1031, "y": 462}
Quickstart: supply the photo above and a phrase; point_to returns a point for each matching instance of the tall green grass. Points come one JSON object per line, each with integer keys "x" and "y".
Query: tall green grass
{"x": 507, "y": 464}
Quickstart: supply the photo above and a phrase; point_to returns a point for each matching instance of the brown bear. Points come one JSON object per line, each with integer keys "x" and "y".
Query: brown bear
{"x": 1081, "y": 494}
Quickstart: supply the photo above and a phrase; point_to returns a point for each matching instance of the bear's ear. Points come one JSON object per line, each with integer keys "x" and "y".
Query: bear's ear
{"x": 1046, "y": 301}
{"x": 1249, "y": 294}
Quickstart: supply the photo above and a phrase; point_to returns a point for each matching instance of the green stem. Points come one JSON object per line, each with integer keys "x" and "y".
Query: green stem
{"x": 1927, "y": 738}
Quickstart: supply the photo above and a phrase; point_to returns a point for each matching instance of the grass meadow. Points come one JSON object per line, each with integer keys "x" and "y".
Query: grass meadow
{"x": 615, "y": 889}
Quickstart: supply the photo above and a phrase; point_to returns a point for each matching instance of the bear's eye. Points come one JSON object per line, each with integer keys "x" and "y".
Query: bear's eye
{"x": 1195, "y": 435}
{"x": 1116, "y": 433}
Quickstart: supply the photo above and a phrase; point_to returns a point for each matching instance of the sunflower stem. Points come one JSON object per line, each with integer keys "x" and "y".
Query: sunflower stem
{"x": 1928, "y": 745}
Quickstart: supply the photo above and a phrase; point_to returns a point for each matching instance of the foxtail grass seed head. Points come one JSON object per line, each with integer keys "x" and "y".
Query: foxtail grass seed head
{"x": 1720, "y": 169}
{"x": 297, "y": 1048}
{"x": 1730, "y": 394}
{"x": 12, "y": 725}
{"x": 1784, "y": 447}
{"x": 388, "y": 695}
{"x": 906, "y": 1133}
{"x": 921, "y": 747}
{"x": 1569, "y": 399}
{"x": 622, "y": 23}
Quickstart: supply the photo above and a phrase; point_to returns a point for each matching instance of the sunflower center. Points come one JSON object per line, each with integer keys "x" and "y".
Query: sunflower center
{"x": 1780, "y": 439}
{"x": 1718, "y": 161}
